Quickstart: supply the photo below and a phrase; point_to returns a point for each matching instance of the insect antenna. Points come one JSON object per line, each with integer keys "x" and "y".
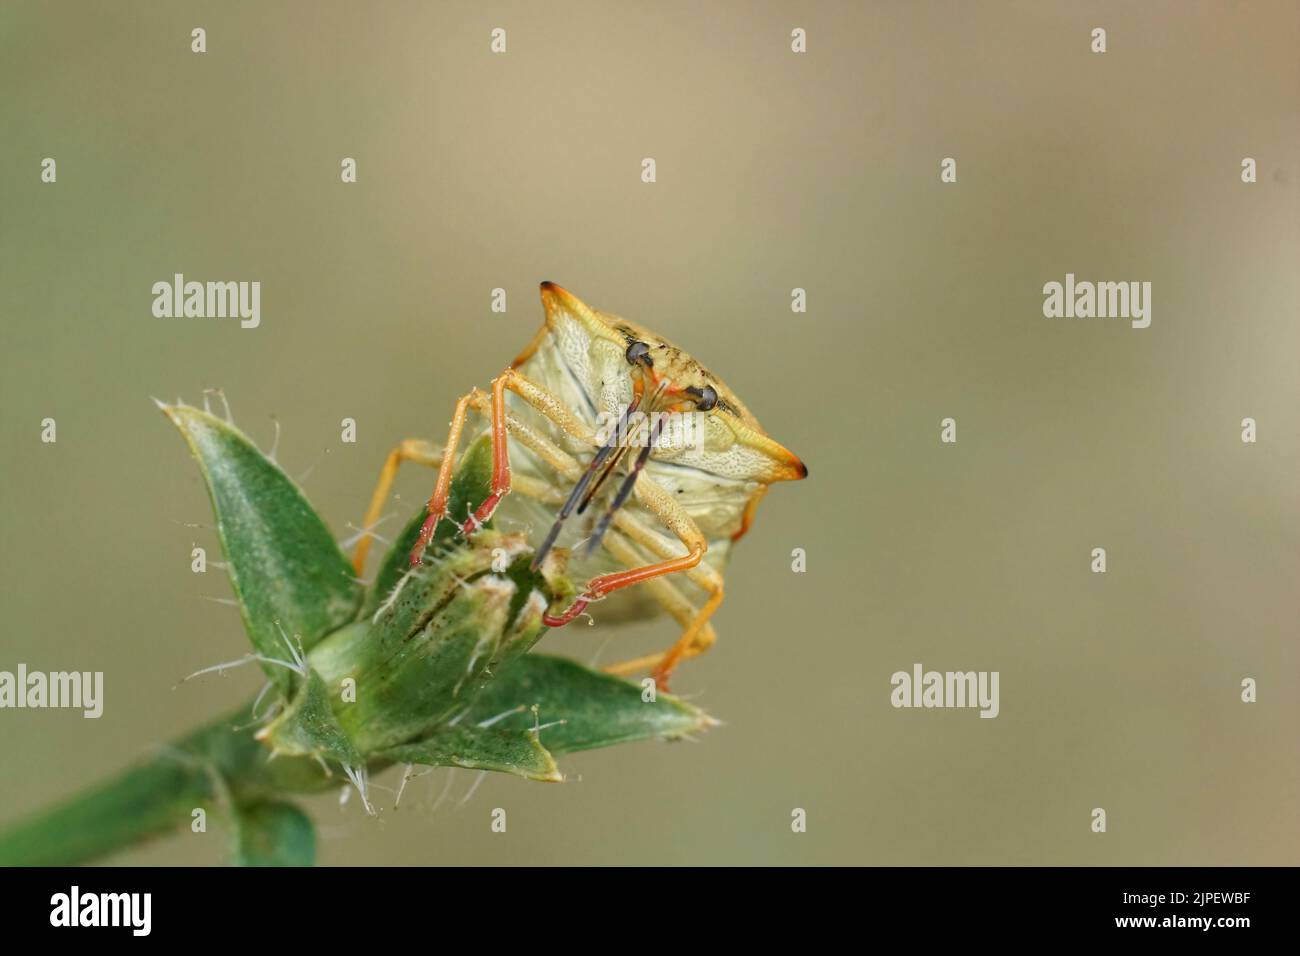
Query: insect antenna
{"x": 596, "y": 462}
{"x": 599, "y": 482}
{"x": 614, "y": 462}
{"x": 625, "y": 489}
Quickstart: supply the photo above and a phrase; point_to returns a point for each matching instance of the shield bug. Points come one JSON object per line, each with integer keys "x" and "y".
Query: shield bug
{"x": 628, "y": 452}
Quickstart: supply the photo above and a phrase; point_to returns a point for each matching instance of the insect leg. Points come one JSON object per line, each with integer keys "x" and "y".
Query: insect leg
{"x": 544, "y": 402}
{"x": 693, "y": 639}
{"x": 437, "y": 505}
{"x": 681, "y": 525}
{"x": 670, "y": 597}
{"x": 412, "y": 449}
{"x": 606, "y": 584}
{"x": 422, "y": 452}
{"x": 702, "y": 641}
{"x": 698, "y": 634}
{"x": 500, "y": 460}
{"x": 550, "y": 406}
{"x": 750, "y": 507}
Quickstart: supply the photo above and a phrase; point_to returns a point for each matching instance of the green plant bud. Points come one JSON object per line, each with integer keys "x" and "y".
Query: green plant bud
{"x": 445, "y": 630}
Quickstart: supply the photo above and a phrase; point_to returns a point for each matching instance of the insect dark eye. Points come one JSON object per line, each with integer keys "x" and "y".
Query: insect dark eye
{"x": 705, "y": 398}
{"x": 638, "y": 353}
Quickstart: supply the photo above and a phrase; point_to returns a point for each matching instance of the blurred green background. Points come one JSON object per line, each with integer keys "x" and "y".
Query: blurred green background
{"x": 775, "y": 171}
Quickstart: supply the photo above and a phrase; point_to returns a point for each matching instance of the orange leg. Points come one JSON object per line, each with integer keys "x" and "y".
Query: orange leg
{"x": 536, "y": 396}
{"x": 412, "y": 449}
{"x": 425, "y": 453}
{"x": 693, "y": 639}
{"x": 696, "y": 639}
{"x": 500, "y": 459}
{"x": 697, "y": 633}
{"x": 748, "y": 517}
{"x": 437, "y": 506}
{"x": 598, "y": 588}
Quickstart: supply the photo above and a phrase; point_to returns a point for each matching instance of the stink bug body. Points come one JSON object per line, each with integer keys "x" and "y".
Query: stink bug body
{"x": 613, "y": 444}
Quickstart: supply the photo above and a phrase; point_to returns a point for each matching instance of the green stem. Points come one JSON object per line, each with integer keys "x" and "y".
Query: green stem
{"x": 209, "y": 768}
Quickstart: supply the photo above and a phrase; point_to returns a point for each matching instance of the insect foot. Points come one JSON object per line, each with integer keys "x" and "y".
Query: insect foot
{"x": 483, "y": 514}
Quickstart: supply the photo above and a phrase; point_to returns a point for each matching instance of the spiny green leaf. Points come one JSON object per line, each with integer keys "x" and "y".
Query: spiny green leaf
{"x": 477, "y": 748}
{"x": 308, "y": 727}
{"x": 274, "y": 834}
{"x": 285, "y": 566}
{"x": 596, "y": 709}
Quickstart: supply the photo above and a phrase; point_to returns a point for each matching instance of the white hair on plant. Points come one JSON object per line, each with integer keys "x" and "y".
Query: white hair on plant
{"x": 401, "y": 787}
{"x": 275, "y": 442}
{"x": 482, "y": 775}
{"x": 257, "y": 718}
{"x": 446, "y": 791}
{"x": 368, "y": 531}
{"x": 221, "y": 668}
{"x": 600, "y": 652}
{"x": 484, "y": 724}
{"x": 360, "y": 778}
{"x": 296, "y": 668}
{"x": 311, "y": 468}
{"x": 538, "y": 726}
{"x": 408, "y": 773}
{"x": 257, "y": 701}
{"x": 299, "y": 665}
{"x": 391, "y": 599}
{"x": 221, "y": 394}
